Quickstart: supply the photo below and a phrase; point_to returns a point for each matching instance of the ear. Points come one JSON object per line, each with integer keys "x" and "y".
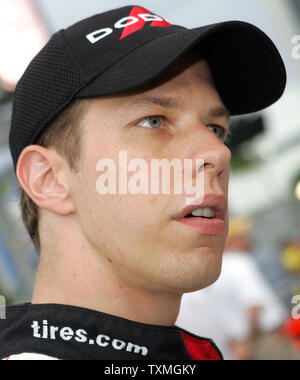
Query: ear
{"x": 44, "y": 177}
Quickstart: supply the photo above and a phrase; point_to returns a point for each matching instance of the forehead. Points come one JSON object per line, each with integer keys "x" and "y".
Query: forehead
{"x": 189, "y": 71}
{"x": 189, "y": 80}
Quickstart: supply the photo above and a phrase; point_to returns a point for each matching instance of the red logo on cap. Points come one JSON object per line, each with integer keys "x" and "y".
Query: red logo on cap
{"x": 139, "y": 18}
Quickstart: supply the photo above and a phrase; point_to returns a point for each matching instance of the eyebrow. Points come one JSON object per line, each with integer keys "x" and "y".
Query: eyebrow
{"x": 161, "y": 101}
{"x": 219, "y": 111}
{"x": 170, "y": 102}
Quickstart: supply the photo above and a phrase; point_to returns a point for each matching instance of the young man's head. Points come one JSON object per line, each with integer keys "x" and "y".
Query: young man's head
{"x": 128, "y": 81}
{"x": 139, "y": 235}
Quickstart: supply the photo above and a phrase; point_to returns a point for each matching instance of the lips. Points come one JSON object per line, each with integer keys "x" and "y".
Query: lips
{"x": 212, "y": 226}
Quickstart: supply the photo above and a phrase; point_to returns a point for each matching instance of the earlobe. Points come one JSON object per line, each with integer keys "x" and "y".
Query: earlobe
{"x": 42, "y": 178}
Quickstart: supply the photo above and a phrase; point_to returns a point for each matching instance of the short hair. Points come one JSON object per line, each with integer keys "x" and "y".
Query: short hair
{"x": 64, "y": 135}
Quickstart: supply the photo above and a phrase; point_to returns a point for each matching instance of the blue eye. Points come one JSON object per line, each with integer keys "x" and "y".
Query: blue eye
{"x": 153, "y": 122}
{"x": 217, "y": 130}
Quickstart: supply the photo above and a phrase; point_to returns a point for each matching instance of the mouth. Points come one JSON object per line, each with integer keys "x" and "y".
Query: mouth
{"x": 207, "y": 217}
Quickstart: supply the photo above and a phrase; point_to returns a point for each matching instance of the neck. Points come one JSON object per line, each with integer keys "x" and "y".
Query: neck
{"x": 80, "y": 278}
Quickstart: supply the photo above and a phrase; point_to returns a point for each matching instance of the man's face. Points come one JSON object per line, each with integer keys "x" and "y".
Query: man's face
{"x": 139, "y": 237}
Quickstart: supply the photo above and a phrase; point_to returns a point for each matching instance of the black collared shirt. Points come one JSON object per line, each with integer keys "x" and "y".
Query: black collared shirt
{"x": 73, "y": 333}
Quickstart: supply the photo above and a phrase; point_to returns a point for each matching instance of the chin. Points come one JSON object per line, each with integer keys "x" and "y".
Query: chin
{"x": 200, "y": 285}
{"x": 195, "y": 279}
{"x": 202, "y": 274}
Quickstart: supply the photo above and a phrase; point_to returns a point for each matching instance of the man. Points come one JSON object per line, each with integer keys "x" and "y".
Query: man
{"x": 115, "y": 264}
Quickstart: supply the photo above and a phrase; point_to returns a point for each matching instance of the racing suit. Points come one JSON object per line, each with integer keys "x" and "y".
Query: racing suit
{"x": 72, "y": 333}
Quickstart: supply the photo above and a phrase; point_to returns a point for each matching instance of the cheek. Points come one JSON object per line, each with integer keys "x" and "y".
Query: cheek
{"x": 122, "y": 222}
{"x": 224, "y": 180}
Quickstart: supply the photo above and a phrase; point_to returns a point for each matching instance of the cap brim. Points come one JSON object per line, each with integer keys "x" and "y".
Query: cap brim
{"x": 247, "y": 68}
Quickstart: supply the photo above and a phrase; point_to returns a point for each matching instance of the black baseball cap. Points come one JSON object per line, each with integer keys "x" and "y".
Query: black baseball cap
{"x": 127, "y": 48}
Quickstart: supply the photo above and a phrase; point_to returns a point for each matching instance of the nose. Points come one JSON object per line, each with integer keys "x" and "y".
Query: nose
{"x": 206, "y": 145}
